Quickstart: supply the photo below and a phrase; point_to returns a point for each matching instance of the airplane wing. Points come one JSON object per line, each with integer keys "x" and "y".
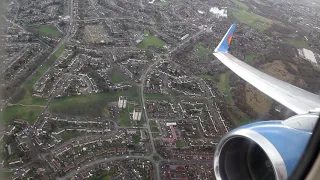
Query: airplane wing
{"x": 294, "y": 98}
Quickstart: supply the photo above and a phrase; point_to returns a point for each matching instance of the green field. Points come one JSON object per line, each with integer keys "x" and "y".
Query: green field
{"x": 94, "y": 105}
{"x": 30, "y": 113}
{"x": 180, "y": 144}
{"x": 297, "y": 43}
{"x": 154, "y": 126}
{"x": 206, "y": 76}
{"x": 249, "y": 58}
{"x": 224, "y": 86}
{"x": 125, "y": 115}
{"x": 240, "y": 119}
{"x": 241, "y": 5}
{"x": 27, "y": 98}
{"x": 89, "y": 104}
{"x": 201, "y": 50}
{"x": 154, "y": 129}
{"x": 161, "y": 3}
{"x": 155, "y": 134}
{"x": 153, "y": 123}
{"x": 66, "y": 135}
{"x": 116, "y": 78}
{"x": 6, "y": 175}
{"x": 156, "y": 158}
{"x": 49, "y": 31}
{"x": 151, "y": 41}
{"x": 253, "y": 20}
{"x": 136, "y": 138}
{"x": 103, "y": 175}
{"x": 125, "y": 118}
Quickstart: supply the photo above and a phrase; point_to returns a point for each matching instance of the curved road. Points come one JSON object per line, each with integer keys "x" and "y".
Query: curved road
{"x": 73, "y": 172}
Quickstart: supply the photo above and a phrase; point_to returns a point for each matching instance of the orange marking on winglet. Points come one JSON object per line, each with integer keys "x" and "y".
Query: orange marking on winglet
{"x": 229, "y": 39}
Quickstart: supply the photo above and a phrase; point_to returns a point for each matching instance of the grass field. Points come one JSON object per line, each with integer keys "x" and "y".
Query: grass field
{"x": 253, "y": 20}
{"x": 151, "y": 41}
{"x": 162, "y": 3}
{"x": 224, "y": 86}
{"x": 156, "y": 158}
{"x": 28, "y": 99}
{"x": 30, "y": 113}
{"x": 297, "y": 43}
{"x": 6, "y": 175}
{"x": 154, "y": 129}
{"x": 116, "y": 78}
{"x": 103, "y": 175}
{"x": 153, "y": 123}
{"x": 241, "y": 5}
{"x": 206, "y": 76}
{"x": 125, "y": 118}
{"x": 49, "y": 31}
{"x": 92, "y": 105}
{"x": 249, "y": 58}
{"x": 66, "y": 135}
{"x": 201, "y": 50}
{"x": 155, "y": 134}
{"x": 240, "y": 119}
{"x": 136, "y": 138}
{"x": 180, "y": 144}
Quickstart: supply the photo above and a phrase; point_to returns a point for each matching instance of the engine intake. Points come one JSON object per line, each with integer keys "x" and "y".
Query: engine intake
{"x": 267, "y": 150}
{"x": 242, "y": 158}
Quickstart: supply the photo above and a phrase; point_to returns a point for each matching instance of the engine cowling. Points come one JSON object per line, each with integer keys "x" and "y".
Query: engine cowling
{"x": 263, "y": 150}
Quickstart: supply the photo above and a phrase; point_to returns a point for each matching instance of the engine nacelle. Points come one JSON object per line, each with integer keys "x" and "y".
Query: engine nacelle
{"x": 263, "y": 150}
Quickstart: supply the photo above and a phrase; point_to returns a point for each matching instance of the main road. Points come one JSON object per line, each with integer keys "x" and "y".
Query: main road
{"x": 34, "y": 150}
{"x": 143, "y": 80}
{"x": 72, "y": 173}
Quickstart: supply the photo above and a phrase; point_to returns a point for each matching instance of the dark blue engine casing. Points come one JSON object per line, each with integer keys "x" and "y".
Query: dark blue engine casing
{"x": 283, "y": 144}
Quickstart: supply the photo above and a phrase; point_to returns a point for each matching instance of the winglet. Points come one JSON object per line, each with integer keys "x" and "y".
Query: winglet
{"x": 225, "y": 42}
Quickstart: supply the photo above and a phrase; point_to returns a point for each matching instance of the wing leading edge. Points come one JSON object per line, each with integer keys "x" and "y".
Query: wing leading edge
{"x": 294, "y": 98}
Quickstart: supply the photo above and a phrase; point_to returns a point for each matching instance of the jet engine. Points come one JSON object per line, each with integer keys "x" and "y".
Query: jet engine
{"x": 263, "y": 150}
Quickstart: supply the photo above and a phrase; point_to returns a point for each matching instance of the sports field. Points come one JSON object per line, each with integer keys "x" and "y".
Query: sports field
{"x": 49, "y": 31}
{"x": 151, "y": 41}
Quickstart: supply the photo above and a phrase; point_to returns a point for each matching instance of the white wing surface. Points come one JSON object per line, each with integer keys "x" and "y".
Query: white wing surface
{"x": 294, "y": 98}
